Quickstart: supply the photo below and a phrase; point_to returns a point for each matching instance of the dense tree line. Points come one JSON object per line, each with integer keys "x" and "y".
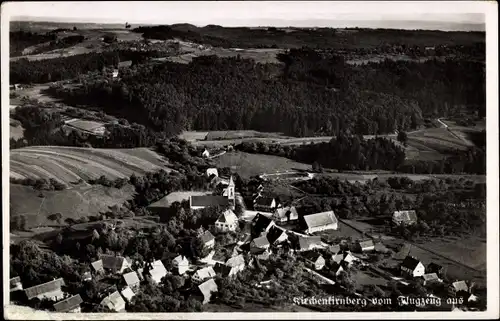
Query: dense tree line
{"x": 19, "y": 40}
{"x": 40, "y": 184}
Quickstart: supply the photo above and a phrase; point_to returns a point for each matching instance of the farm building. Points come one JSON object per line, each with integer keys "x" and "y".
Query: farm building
{"x": 157, "y": 271}
{"x": 227, "y": 221}
{"x": 15, "y": 284}
{"x": 50, "y": 290}
{"x": 219, "y": 181}
{"x": 260, "y": 242}
{"x": 285, "y": 214}
{"x": 181, "y": 263}
{"x": 207, "y": 239}
{"x": 435, "y": 268}
{"x": 85, "y": 126}
{"x": 404, "y": 217}
{"x": 114, "y": 264}
{"x": 320, "y": 222}
{"x": 365, "y": 246}
{"x": 310, "y": 243}
{"x": 114, "y": 302}
{"x": 212, "y": 171}
{"x": 346, "y": 257}
{"x": 430, "y": 278}
{"x": 97, "y": 266}
{"x": 314, "y": 260}
{"x": 132, "y": 280}
{"x": 237, "y": 263}
{"x": 71, "y": 304}
{"x": 206, "y": 289}
{"x": 265, "y": 204}
{"x": 261, "y": 224}
{"x": 128, "y": 294}
{"x": 413, "y": 267}
{"x": 199, "y": 202}
{"x": 276, "y": 235}
{"x": 250, "y": 215}
{"x": 202, "y": 274}
{"x": 161, "y": 206}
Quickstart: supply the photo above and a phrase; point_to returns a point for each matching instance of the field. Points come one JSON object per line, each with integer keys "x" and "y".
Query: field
{"x": 192, "y": 136}
{"x": 69, "y": 164}
{"x": 248, "y": 165}
{"x": 71, "y": 203}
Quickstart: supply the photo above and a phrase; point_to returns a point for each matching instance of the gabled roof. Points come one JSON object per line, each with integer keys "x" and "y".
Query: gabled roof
{"x": 205, "y": 273}
{"x": 180, "y": 258}
{"x": 460, "y": 286}
{"x": 97, "y": 265}
{"x": 334, "y": 248}
{"x": 264, "y": 201}
{"x": 261, "y": 241}
{"x": 405, "y": 216}
{"x": 212, "y": 171}
{"x": 209, "y": 200}
{"x": 306, "y": 242}
{"x": 430, "y": 276}
{"x": 68, "y": 304}
{"x": 44, "y": 288}
{"x": 112, "y": 262}
{"x": 261, "y": 222}
{"x": 274, "y": 233}
{"x": 207, "y": 287}
{"x": 131, "y": 278}
{"x": 128, "y": 294}
{"x": 336, "y": 267}
{"x": 283, "y": 211}
{"x": 236, "y": 261}
{"x": 320, "y": 219}
{"x": 228, "y": 217}
{"x": 207, "y": 237}
{"x": 365, "y": 244}
{"x": 222, "y": 269}
{"x": 220, "y": 255}
{"x": 312, "y": 256}
{"x": 158, "y": 271}
{"x": 114, "y": 301}
{"x": 410, "y": 263}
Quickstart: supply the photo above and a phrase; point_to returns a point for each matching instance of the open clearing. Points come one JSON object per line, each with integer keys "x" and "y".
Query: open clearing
{"x": 69, "y": 164}
{"x": 71, "y": 203}
{"x": 192, "y": 136}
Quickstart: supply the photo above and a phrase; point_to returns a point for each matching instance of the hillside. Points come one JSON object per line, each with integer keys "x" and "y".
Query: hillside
{"x": 69, "y": 164}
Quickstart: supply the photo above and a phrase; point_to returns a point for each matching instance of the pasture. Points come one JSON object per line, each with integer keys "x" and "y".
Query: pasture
{"x": 71, "y": 203}
{"x": 69, "y": 164}
{"x": 225, "y": 135}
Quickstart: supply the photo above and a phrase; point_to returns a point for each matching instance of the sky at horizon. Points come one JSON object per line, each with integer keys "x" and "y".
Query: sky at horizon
{"x": 255, "y": 13}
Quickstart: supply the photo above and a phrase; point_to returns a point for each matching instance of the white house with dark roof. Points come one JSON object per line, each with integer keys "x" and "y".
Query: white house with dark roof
{"x": 114, "y": 264}
{"x": 320, "y": 222}
{"x": 203, "y": 274}
{"x": 413, "y": 267}
{"x": 71, "y": 304}
{"x": 206, "y": 289}
{"x": 181, "y": 263}
{"x": 265, "y": 204}
{"x": 285, "y": 214}
{"x": 408, "y": 217}
{"x": 261, "y": 224}
{"x": 314, "y": 260}
{"x": 132, "y": 280}
{"x": 49, "y": 290}
{"x": 227, "y": 221}
{"x": 276, "y": 235}
{"x": 114, "y": 302}
{"x": 346, "y": 257}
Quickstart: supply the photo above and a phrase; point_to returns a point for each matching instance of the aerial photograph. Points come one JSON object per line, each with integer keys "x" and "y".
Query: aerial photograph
{"x": 218, "y": 157}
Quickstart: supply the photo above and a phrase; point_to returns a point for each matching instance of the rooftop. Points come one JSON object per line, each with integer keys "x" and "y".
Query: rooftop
{"x": 320, "y": 219}
{"x": 44, "y": 288}
{"x": 209, "y": 200}
{"x": 68, "y": 304}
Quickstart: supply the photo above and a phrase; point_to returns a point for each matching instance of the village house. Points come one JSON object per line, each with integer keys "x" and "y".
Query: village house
{"x": 320, "y": 222}
{"x": 71, "y": 304}
{"x": 237, "y": 263}
{"x": 181, "y": 263}
{"x": 435, "y": 268}
{"x": 212, "y": 171}
{"x": 15, "y": 284}
{"x": 206, "y": 153}
{"x": 201, "y": 201}
{"x": 365, "y": 246}
{"x": 314, "y": 260}
{"x": 310, "y": 243}
{"x": 260, "y": 242}
{"x": 83, "y": 126}
{"x": 114, "y": 302}
{"x": 132, "y": 280}
{"x": 227, "y": 221}
{"x": 346, "y": 257}
{"x": 127, "y": 294}
{"x": 337, "y": 269}
{"x": 285, "y": 214}
{"x": 404, "y": 217}
{"x": 157, "y": 271}
{"x": 114, "y": 264}
{"x": 261, "y": 254}
{"x": 334, "y": 249}
{"x": 97, "y": 267}
{"x": 459, "y": 288}
{"x": 207, "y": 239}
{"x": 430, "y": 278}
{"x": 412, "y": 267}
{"x": 265, "y": 204}
{"x": 219, "y": 182}
{"x": 202, "y": 274}
{"x": 261, "y": 224}
{"x": 50, "y": 290}
{"x": 206, "y": 289}
{"x": 276, "y": 235}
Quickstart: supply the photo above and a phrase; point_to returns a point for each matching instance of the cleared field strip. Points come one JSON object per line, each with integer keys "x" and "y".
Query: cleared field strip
{"x": 63, "y": 173}
{"x": 37, "y": 170}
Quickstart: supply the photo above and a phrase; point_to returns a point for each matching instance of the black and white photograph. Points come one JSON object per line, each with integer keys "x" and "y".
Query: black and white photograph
{"x": 250, "y": 160}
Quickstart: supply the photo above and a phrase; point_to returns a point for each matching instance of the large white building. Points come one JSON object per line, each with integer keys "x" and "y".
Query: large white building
{"x": 320, "y": 222}
{"x": 227, "y": 221}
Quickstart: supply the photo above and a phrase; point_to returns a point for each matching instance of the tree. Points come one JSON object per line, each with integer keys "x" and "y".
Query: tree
{"x": 403, "y": 137}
